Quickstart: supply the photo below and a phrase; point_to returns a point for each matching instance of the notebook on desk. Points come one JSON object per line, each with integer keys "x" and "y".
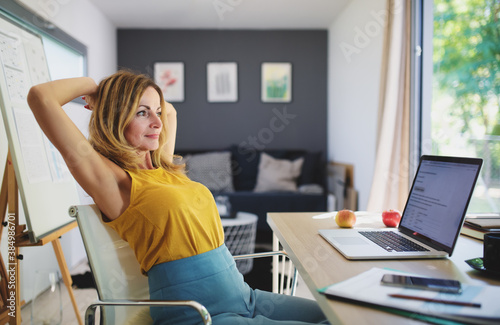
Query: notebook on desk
{"x": 432, "y": 218}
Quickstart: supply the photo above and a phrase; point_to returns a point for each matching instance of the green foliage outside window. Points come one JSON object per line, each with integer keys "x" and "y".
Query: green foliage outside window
{"x": 466, "y": 87}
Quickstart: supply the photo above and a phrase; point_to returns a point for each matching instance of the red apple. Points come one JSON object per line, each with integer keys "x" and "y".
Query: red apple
{"x": 345, "y": 218}
{"x": 391, "y": 218}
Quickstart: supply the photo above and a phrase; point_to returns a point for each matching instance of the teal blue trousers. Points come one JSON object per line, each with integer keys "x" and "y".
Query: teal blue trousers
{"x": 213, "y": 280}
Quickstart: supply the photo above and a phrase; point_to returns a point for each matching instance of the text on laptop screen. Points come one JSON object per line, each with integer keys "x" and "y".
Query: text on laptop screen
{"x": 437, "y": 200}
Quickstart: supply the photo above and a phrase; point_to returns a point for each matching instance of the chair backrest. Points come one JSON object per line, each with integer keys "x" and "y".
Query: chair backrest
{"x": 113, "y": 263}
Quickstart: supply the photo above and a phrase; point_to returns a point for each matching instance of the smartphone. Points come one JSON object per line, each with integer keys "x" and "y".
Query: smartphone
{"x": 442, "y": 285}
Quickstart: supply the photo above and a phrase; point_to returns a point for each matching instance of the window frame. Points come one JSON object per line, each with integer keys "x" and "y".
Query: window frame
{"x": 421, "y": 88}
{"x": 416, "y": 84}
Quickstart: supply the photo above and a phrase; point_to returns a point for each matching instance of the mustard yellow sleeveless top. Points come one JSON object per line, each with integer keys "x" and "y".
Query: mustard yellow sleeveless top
{"x": 169, "y": 217}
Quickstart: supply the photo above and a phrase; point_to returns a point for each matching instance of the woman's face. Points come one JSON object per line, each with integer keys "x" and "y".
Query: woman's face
{"x": 143, "y": 131}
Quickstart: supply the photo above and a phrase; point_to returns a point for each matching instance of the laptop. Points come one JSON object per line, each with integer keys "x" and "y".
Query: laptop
{"x": 432, "y": 218}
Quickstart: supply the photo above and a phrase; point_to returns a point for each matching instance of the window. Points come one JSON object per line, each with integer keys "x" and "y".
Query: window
{"x": 63, "y": 61}
{"x": 461, "y": 88}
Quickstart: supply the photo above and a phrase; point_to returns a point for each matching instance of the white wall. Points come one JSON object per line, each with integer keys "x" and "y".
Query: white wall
{"x": 354, "y": 58}
{"x": 81, "y": 20}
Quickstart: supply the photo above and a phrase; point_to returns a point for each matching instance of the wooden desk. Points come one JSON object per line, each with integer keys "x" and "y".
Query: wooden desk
{"x": 320, "y": 265}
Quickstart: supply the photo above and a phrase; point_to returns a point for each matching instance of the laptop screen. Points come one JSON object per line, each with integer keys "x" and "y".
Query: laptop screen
{"x": 439, "y": 198}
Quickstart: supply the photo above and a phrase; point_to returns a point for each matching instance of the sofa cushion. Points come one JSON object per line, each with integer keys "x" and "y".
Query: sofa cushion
{"x": 312, "y": 171}
{"x": 277, "y": 174}
{"x": 212, "y": 169}
{"x": 246, "y": 164}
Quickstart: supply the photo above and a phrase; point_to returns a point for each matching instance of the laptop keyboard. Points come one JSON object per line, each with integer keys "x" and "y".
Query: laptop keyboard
{"x": 392, "y": 241}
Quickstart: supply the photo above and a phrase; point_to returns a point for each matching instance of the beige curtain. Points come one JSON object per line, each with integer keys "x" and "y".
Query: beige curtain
{"x": 390, "y": 181}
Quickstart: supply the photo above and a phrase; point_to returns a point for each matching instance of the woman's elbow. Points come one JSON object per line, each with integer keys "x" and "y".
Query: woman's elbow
{"x": 37, "y": 98}
{"x": 34, "y": 97}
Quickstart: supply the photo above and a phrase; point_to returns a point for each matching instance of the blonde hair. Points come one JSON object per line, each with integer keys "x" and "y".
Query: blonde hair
{"x": 115, "y": 106}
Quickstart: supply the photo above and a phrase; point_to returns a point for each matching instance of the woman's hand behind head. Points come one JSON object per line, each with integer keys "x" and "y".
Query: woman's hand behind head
{"x": 90, "y": 100}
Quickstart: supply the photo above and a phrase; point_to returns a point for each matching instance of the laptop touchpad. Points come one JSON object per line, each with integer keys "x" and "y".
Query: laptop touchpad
{"x": 350, "y": 241}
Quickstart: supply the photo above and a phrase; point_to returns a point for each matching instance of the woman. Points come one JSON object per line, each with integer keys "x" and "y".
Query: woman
{"x": 172, "y": 224}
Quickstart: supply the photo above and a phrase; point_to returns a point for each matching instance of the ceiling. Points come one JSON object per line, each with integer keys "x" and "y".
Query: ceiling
{"x": 221, "y": 14}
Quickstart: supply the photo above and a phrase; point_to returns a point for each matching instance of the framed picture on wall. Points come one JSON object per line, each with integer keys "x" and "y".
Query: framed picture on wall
{"x": 222, "y": 82}
{"x": 276, "y": 82}
{"x": 169, "y": 76}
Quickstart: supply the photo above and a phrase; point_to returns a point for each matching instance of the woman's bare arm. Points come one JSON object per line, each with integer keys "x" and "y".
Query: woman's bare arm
{"x": 171, "y": 127}
{"x": 104, "y": 181}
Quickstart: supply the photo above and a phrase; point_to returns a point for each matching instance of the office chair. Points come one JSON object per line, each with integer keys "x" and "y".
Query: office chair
{"x": 119, "y": 282}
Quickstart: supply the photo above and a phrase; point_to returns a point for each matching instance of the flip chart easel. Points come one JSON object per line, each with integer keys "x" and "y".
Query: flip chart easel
{"x": 34, "y": 170}
{"x": 10, "y": 304}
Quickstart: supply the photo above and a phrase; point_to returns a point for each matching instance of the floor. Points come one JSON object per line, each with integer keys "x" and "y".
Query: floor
{"x": 84, "y": 297}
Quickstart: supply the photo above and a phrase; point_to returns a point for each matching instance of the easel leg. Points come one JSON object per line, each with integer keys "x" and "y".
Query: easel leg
{"x": 66, "y": 276}
{"x": 17, "y": 318}
{"x": 4, "y": 316}
{"x": 14, "y": 265}
{"x": 9, "y": 202}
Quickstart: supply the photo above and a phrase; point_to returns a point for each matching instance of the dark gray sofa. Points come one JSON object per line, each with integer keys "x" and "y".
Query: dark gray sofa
{"x": 234, "y": 172}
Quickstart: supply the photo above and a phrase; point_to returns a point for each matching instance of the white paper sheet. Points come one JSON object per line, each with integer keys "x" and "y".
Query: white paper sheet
{"x": 366, "y": 287}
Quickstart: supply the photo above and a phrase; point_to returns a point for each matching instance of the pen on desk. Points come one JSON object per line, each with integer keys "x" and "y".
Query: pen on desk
{"x": 440, "y": 301}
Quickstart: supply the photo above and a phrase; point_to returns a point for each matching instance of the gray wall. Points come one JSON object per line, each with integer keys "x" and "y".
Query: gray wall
{"x": 300, "y": 124}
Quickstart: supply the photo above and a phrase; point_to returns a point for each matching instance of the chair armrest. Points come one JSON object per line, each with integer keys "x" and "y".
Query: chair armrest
{"x": 259, "y": 255}
{"x": 292, "y": 283}
{"x": 90, "y": 312}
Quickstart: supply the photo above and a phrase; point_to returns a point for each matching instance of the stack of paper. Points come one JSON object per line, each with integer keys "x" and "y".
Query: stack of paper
{"x": 478, "y": 225}
{"x": 366, "y": 288}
